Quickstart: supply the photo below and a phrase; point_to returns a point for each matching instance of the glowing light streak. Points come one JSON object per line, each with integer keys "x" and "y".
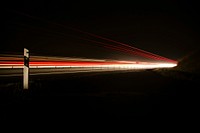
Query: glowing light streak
{"x": 119, "y": 64}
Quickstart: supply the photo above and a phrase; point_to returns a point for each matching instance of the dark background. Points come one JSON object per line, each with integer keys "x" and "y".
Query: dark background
{"x": 168, "y": 28}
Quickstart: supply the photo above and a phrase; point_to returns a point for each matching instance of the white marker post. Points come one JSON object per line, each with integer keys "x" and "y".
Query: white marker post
{"x": 26, "y": 68}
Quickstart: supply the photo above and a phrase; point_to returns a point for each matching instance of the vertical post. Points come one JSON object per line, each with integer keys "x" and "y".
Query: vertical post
{"x": 26, "y": 68}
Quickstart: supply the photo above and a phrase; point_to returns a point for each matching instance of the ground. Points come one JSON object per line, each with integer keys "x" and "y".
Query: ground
{"x": 108, "y": 96}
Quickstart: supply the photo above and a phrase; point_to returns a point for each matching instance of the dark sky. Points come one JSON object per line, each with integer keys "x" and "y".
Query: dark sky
{"x": 168, "y": 28}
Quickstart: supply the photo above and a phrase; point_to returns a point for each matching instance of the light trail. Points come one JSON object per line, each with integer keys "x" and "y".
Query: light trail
{"x": 86, "y": 63}
{"x": 43, "y": 65}
{"x": 126, "y": 49}
{"x": 120, "y": 45}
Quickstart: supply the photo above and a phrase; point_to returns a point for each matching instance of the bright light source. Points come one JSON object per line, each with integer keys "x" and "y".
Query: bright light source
{"x": 166, "y": 65}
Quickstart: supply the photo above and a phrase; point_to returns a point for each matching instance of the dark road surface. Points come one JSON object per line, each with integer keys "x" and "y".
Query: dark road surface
{"x": 109, "y": 96}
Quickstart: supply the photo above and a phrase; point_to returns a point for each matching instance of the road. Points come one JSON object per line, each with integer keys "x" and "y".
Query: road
{"x": 121, "y": 96}
{"x": 46, "y": 71}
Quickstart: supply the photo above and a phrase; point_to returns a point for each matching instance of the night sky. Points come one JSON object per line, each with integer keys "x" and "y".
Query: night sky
{"x": 168, "y": 28}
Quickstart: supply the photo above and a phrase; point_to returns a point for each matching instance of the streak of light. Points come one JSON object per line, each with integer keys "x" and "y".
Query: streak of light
{"x": 120, "y": 64}
{"x": 43, "y": 65}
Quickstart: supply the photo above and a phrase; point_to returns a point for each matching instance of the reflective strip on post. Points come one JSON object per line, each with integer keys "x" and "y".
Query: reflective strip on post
{"x": 26, "y": 68}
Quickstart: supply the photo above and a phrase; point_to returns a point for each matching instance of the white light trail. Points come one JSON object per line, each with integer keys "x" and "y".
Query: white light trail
{"x": 120, "y": 66}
